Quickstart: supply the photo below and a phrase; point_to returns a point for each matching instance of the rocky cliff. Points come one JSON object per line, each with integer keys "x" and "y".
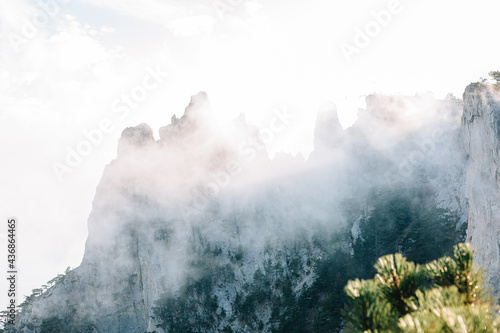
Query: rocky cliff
{"x": 175, "y": 213}
{"x": 200, "y": 231}
{"x": 481, "y": 127}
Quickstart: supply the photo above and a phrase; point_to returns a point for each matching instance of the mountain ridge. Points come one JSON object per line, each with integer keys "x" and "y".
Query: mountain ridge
{"x": 188, "y": 227}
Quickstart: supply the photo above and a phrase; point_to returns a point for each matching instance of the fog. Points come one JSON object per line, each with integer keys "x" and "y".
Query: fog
{"x": 163, "y": 203}
{"x": 85, "y": 64}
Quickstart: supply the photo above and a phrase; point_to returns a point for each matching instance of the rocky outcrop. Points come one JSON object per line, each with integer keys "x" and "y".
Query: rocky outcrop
{"x": 167, "y": 213}
{"x": 481, "y": 127}
{"x": 202, "y": 216}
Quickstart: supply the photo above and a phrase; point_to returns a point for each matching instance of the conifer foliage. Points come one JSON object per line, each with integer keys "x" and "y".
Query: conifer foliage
{"x": 445, "y": 295}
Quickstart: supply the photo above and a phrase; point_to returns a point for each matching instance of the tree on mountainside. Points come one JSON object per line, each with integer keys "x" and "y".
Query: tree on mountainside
{"x": 495, "y": 75}
{"x": 445, "y": 295}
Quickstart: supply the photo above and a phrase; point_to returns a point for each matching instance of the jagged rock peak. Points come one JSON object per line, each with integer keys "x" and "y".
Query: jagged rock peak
{"x": 135, "y": 137}
{"x": 138, "y": 135}
{"x": 142, "y": 134}
{"x": 478, "y": 97}
{"x": 195, "y": 112}
{"x": 198, "y": 103}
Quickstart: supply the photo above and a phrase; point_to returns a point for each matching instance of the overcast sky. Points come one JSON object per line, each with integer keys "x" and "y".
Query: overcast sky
{"x": 70, "y": 68}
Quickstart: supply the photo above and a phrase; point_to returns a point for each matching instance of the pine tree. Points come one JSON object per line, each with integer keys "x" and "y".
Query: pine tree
{"x": 495, "y": 75}
{"x": 446, "y": 295}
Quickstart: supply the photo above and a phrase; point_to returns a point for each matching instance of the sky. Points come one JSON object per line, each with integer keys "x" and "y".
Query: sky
{"x": 75, "y": 73}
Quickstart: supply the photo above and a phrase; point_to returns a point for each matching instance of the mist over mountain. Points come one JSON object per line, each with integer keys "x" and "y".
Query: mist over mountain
{"x": 200, "y": 231}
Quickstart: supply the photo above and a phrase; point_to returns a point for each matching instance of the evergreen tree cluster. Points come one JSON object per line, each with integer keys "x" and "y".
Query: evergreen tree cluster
{"x": 396, "y": 220}
{"x": 445, "y": 295}
{"x": 399, "y": 220}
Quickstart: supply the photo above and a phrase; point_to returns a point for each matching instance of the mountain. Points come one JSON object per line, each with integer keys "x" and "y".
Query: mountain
{"x": 200, "y": 231}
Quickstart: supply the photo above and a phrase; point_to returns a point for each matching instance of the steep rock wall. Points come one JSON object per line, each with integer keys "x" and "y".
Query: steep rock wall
{"x": 198, "y": 200}
{"x": 481, "y": 128}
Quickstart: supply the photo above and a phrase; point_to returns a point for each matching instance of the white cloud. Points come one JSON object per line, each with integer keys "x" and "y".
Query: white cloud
{"x": 192, "y": 25}
{"x": 260, "y": 54}
{"x": 155, "y": 11}
{"x": 253, "y": 7}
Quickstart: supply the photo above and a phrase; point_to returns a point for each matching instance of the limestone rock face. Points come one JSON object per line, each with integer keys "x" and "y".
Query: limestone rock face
{"x": 167, "y": 211}
{"x": 207, "y": 208}
{"x": 481, "y": 127}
